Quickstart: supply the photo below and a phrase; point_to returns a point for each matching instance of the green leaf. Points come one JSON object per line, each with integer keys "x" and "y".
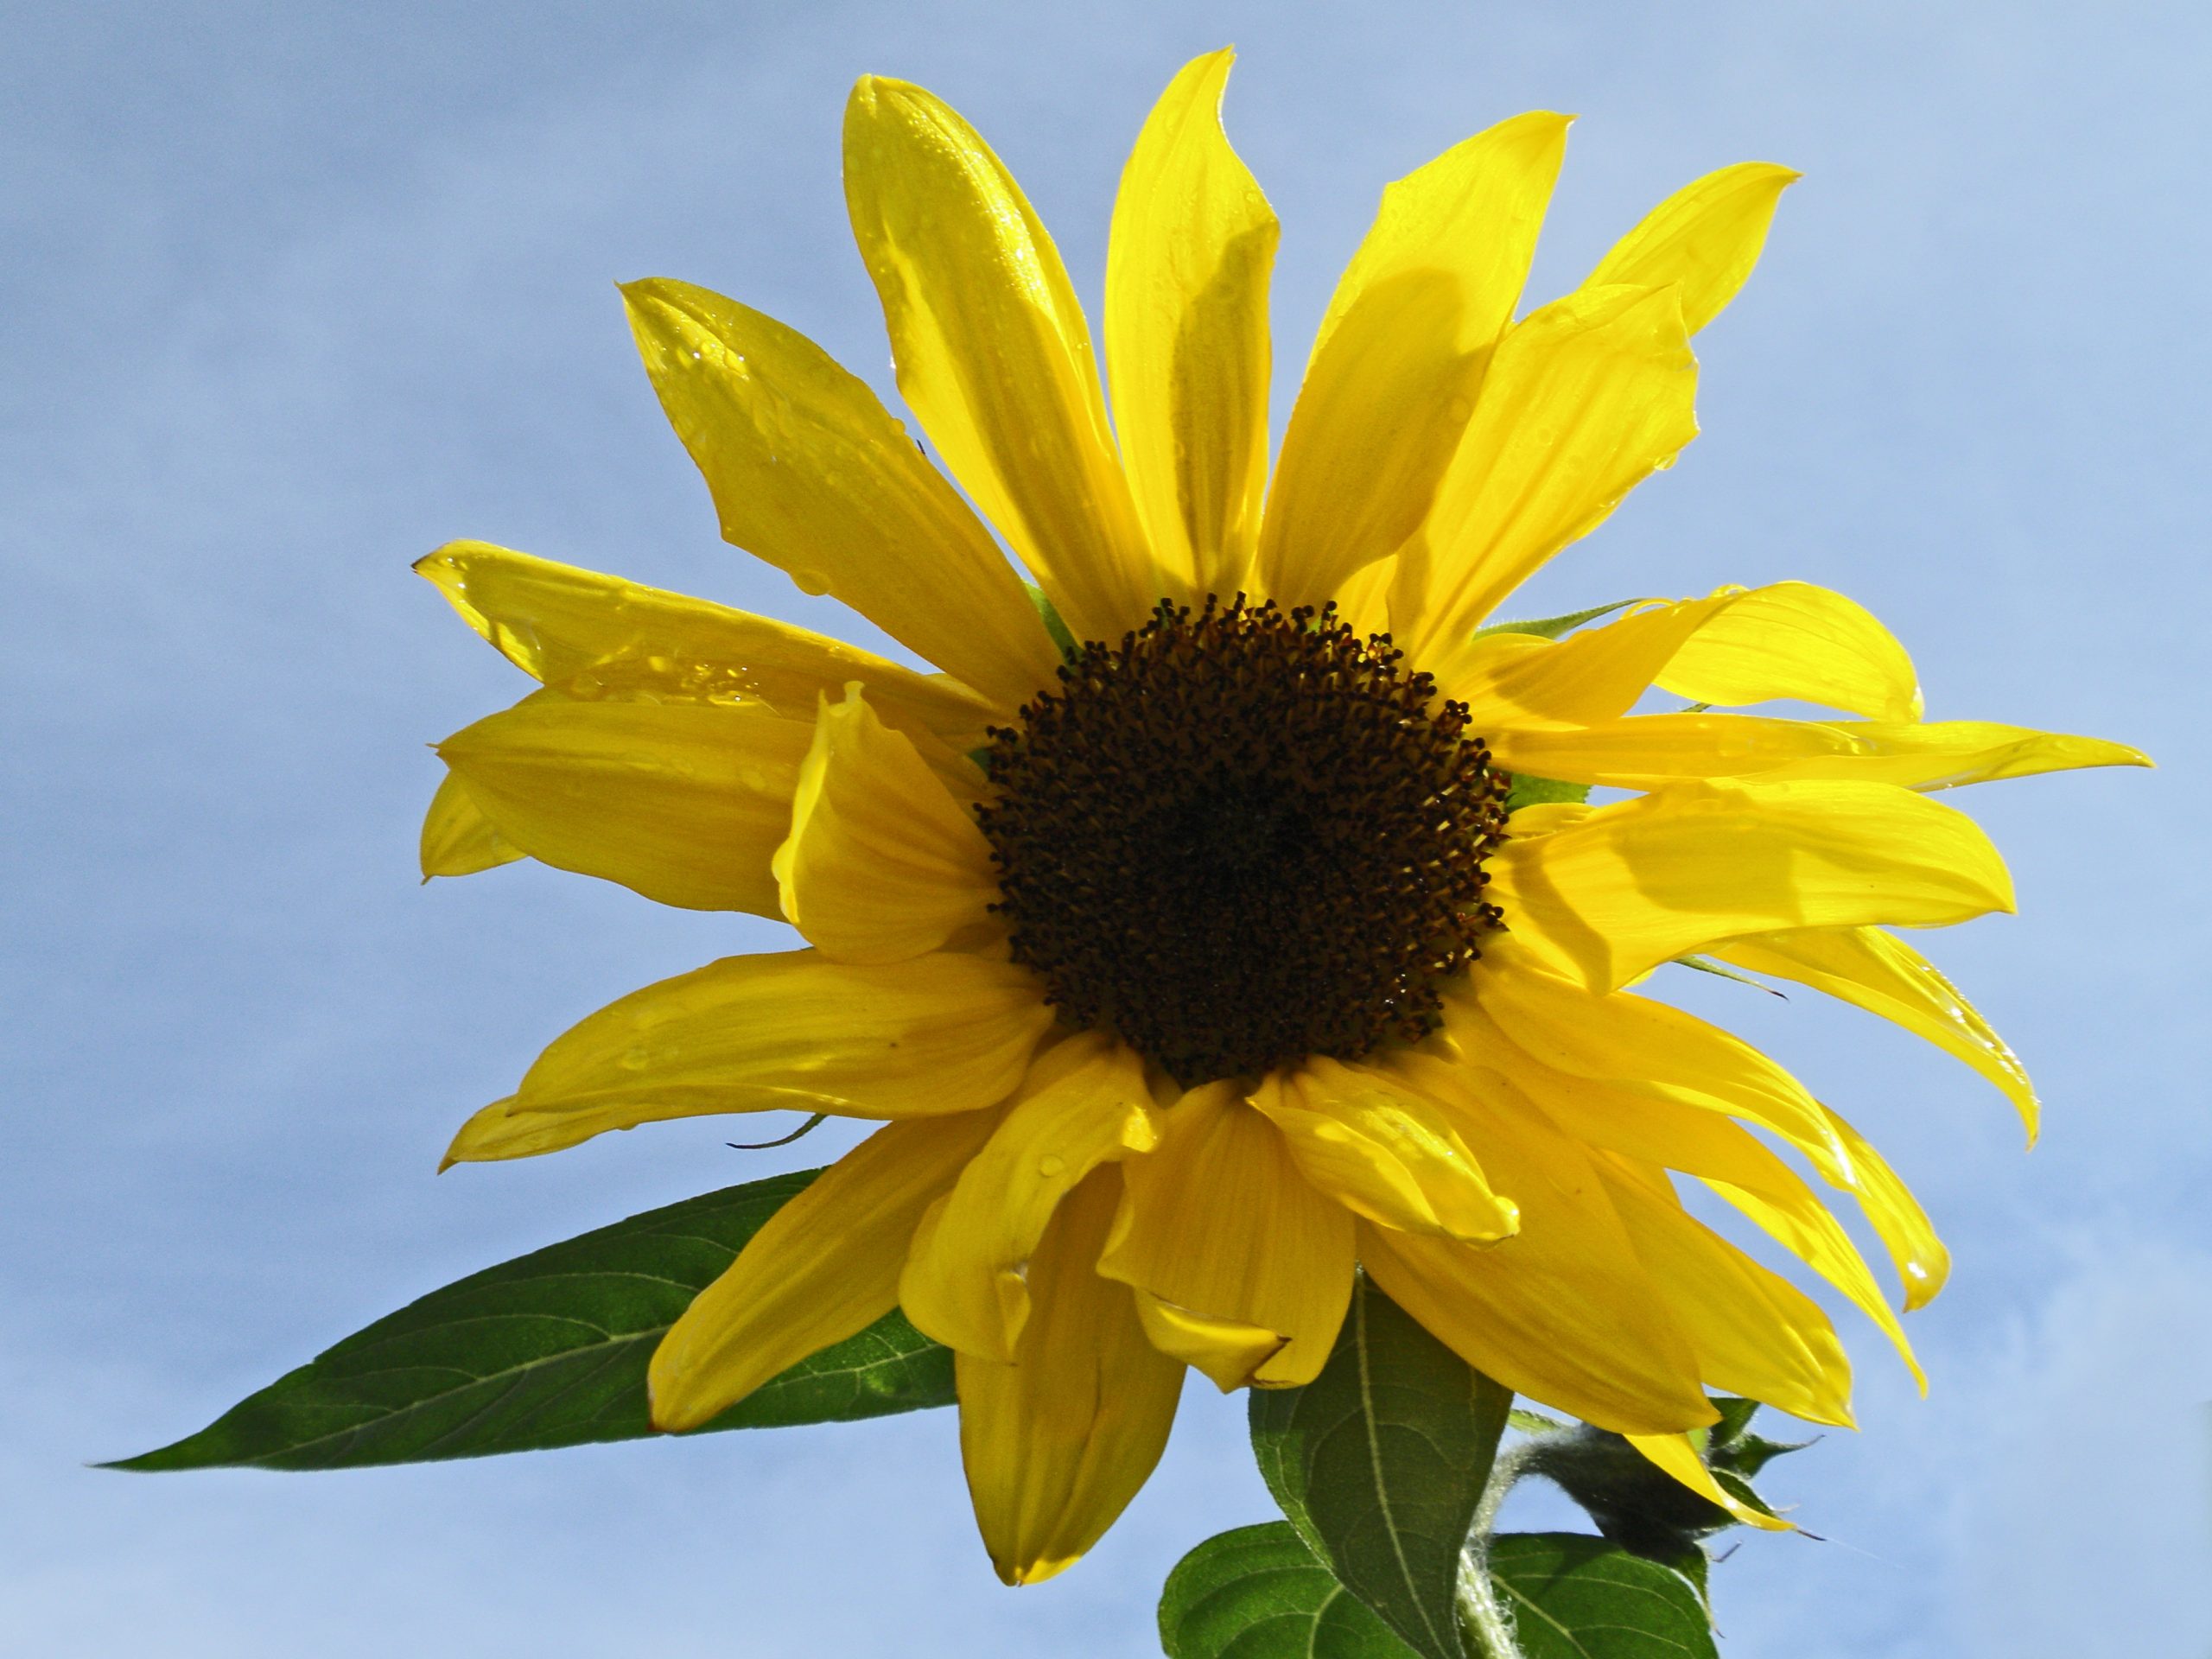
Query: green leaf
{"x": 550, "y": 1349}
{"x": 1380, "y": 1462}
{"x": 1706, "y": 965}
{"x": 1551, "y": 627}
{"x": 1259, "y": 1593}
{"x": 1526, "y": 790}
{"x": 1049, "y": 613}
{"x": 1735, "y": 1454}
{"x": 1574, "y": 1597}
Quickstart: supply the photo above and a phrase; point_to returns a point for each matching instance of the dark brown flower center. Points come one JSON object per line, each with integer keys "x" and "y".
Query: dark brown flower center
{"x": 1240, "y": 837}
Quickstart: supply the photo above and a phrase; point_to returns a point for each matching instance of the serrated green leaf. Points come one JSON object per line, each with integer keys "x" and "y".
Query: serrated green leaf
{"x": 550, "y": 1349}
{"x": 1259, "y": 1593}
{"x": 1551, "y": 627}
{"x": 1574, "y": 1597}
{"x": 1380, "y": 1462}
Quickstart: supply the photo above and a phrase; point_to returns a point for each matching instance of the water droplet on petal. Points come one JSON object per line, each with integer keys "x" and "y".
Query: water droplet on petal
{"x": 1051, "y": 1165}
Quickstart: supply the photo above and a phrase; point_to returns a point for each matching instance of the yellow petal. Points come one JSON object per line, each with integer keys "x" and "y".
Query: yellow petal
{"x": 684, "y": 803}
{"x": 457, "y": 838}
{"x": 881, "y": 863}
{"x": 1584, "y": 400}
{"x": 810, "y": 472}
{"x": 1649, "y": 751}
{"x": 1637, "y": 1075}
{"x": 1186, "y": 333}
{"x": 1562, "y": 1312}
{"x": 1382, "y": 1151}
{"x": 824, "y": 1268}
{"x": 1793, "y": 640}
{"x": 1630, "y": 1041}
{"x": 937, "y": 1035}
{"x": 1512, "y": 681}
{"x": 1946, "y": 754}
{"x": 1219, "y": 1223}
{"x": 1895, "y": 1216}
{"x": 1703, "y": 239}
{"x": 1638, "y": 883}
{"x": 1677, "y": 1454}
{"x": 1755, "y": 1334}
{"x": 1400, "y": 358}
{"x": 1882, "y": 973}
{"x": 1661, "y": 1126}
{"x": 1057, "y": 1443}
{"x": 592, "y": 636}
{"x": 966, "y": 1282}
{"x": 992, "y": 351}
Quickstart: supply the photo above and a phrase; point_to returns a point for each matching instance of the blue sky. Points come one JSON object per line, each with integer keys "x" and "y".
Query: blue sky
{"x": 295, "y": 293}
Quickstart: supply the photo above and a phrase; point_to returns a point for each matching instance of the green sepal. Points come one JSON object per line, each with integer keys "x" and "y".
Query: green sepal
{"x": 1722, "y": 970}
{"x": 1380, "y": 1463}
{"x": 550, "y": 1349}
{"x": 1259, "y": 1592}
{"x": 1526, "y": 790}
{"x": 1551, "y": 627}
{"x": 1570, "y": 1596}
{"x": 1639, "y": 1506}
{"x": 1055, "y": 624}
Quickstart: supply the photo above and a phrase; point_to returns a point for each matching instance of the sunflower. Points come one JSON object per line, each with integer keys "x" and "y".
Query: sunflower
{"x": 1230, "y": 915}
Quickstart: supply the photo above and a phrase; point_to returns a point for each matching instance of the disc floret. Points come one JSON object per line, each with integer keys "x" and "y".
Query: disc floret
{"x": 1242, "y": 836}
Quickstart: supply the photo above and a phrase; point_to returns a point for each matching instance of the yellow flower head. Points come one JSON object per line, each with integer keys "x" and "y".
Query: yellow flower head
{"x": 1234, "y": 916}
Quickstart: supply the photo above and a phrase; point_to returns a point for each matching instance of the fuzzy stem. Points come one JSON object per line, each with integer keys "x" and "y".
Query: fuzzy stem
{"x": 1485, "y": 1624}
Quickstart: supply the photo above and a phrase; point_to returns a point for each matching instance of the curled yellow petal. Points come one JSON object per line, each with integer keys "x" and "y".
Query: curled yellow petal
{"x": 1384, "y": 1151}
{"x": 1583, "y": 401}
{"x": 592, "y": 636}
{"x": 1643, "y": 881}
{"x": 1563, "y": 1311}
{"x": 1219, "y": 1225}
{"x": 1704, "y": 239}
{"x": 1678, "y": 1455}
{"x": 684, "y": 803}
{"x": 1516, "y": 681}
{"x": 457, "y": 838}
{"x": 824, "y": 1268}
{"x": 1650, "y": 751}
{"x": 809, "y": 471}
{"x": 966, "y": 1284}
{"x": 881, "y": 863}
{"x": 1755, "y": 1334}
{"x": 1058, "y": 1442}
{"x": 1399, "y": 359}
{"x": 1793, "y": 640}
{"x": 1186, "y": 333}
{"x": 1878, "y": 972}
{"x": 1923, "y": 1262}
{"x": 1617, "y": 1070}
{"x": 937, "y": 1035}
{"x": 992, "y": 351}
{"x": 1944, "y": 754}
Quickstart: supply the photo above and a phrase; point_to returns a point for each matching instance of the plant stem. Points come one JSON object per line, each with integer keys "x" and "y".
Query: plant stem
{"x": 1483, "y": 1623}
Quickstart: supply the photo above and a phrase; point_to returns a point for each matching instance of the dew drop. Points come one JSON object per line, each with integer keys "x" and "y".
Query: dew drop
{"x": 1051, "y": 1165}
{"x": 810, "y": 580}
